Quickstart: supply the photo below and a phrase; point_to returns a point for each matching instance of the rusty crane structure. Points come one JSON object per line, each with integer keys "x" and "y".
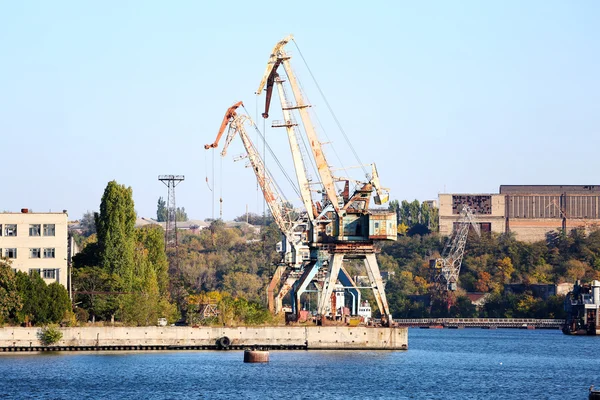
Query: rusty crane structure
{"x": 292, "y": 224}
{"x": 341, "y": 225}
{"x": 445, "y": 269}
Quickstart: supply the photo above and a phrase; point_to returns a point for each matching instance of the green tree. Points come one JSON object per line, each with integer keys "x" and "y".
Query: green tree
{"x": 115, "y": 225}
{"x": 161, "y": 210}
{"x": 88, "y": 224}
{"x": 58, "y": 302}
{"x": 97, "y": 289}
{"x": 152, "y": 238}
{"x": 10, "y": 300}
{"x": 181, "y": 215}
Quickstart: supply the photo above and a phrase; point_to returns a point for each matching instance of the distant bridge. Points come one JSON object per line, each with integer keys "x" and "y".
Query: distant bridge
{"x": 486, "y": 323}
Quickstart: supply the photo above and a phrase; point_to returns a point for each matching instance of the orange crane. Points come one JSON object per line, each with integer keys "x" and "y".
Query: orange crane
{"x": 293, "y": 225}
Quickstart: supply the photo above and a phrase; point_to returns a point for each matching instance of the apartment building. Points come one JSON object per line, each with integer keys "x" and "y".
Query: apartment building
{"x": 36, "y": 243}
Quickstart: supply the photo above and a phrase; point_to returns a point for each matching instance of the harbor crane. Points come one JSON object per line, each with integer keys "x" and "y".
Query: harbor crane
{"x": 341, "y": 224}
{"x": 291, "y": 224}
{"x": 445, "y": 270}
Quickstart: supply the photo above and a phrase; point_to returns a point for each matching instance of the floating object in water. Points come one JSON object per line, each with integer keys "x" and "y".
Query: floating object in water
{"x": 256, "y": 356}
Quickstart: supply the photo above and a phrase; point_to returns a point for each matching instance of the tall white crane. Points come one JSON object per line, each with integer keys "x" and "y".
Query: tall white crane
{"x": 447, "y": 268}
{"x": 344, "y": 226}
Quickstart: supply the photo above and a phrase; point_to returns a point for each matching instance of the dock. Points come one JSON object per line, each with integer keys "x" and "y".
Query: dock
{"x": 17, "y": 339}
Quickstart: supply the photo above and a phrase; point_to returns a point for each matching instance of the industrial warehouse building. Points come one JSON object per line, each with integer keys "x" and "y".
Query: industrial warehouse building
{"x": 529, "y": 211}
{"x": 36, "y": 243}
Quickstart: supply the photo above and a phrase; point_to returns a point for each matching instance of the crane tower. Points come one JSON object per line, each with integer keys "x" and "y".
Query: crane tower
{"x": 445, "y": 269}
{"x": 341, "y": 224}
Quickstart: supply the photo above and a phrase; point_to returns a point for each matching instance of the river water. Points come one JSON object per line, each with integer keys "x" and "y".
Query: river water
{"x": 440, "y": 364}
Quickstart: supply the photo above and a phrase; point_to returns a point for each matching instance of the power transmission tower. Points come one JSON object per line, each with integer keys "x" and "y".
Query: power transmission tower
{"x": 171, "y": 223}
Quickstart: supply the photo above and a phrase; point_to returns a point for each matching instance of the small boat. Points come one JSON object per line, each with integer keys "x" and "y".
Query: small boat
{"x": 594, "y": 394}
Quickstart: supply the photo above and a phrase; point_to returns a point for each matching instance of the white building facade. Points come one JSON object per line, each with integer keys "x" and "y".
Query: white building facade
{"x": 36, "y": 243}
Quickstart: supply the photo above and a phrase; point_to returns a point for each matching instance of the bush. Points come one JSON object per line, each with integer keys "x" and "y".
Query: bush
{"x": 49, "y": 335}
{"x": 82, "y": 315}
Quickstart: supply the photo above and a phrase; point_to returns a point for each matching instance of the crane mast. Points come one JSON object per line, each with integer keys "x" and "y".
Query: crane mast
{"x": 447, "y": 268}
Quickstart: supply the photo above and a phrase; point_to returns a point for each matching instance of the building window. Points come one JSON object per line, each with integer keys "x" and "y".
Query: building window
{"x": 10, "y": 253}
{"x": 10, "y": 230}
{"x": 49, "y": 253}
{"x": 0, "y": 229}
{"x": 49, "y": 274}
{"x": 35, "y": 230}
{"x": 34, "y": 271}
{"x": 35, "y": 253}
{"x": 49, "y": 230}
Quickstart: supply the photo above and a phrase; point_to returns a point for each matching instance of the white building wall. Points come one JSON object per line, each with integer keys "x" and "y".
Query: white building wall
{"x": 23, "y": 242}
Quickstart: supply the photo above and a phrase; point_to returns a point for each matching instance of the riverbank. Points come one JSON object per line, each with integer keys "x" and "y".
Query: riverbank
{"x": 208, "y": 338}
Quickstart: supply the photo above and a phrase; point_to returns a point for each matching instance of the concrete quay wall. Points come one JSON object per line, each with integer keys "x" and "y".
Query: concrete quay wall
{"x": 312, "y": 338}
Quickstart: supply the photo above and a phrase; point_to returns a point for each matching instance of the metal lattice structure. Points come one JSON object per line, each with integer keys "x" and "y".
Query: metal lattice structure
{"x": 171, "y": 223}
{"x": 447, "y": 268}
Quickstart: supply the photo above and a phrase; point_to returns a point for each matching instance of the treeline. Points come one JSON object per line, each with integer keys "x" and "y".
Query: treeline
{"x": 490, "y": 263}
{"x": 234, "y": 262}
{"x": 415, "y": 217}
{"x": 123, "y": 273}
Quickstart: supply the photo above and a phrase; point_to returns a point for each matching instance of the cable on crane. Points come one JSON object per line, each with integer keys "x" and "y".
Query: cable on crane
{"x": 330, "y": 109}
{"x": 206, "y": 171}
{"x": 276, "y": 161}
{"x": 221, "y": 189}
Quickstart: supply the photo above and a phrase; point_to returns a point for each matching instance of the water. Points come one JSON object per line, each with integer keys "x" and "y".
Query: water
{"x": 440, "y": 364}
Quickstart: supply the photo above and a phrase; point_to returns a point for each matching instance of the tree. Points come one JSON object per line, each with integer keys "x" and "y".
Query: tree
{"x": 115, "y": 225}
{"x": 395, "y": 207}
{"x": 161, "y": 210}
{"x": 42, "y": 304}
{"x": 58, "y": 302}
{"x": 506, "y": 269}
{"x": 181, "y": 215}
{"x": 151, "y": 237}
{"x": 88, "y": 224}
{"x": 10, "y": 300}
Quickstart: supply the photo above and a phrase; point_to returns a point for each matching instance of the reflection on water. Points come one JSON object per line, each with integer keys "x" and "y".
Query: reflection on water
{"x": 440, "y": 364}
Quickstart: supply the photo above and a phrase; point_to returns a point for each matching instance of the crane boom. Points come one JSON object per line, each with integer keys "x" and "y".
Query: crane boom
{"x": 280, "y": 208}
{"x": 226, "y": 119}
{"x": 279, "y": 56}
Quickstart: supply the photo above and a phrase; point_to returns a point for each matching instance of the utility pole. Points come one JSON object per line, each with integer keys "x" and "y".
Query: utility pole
{"x": 171, "y": 223}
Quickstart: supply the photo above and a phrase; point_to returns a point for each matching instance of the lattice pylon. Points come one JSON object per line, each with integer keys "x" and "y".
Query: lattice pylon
{"x": 171, "y": 223}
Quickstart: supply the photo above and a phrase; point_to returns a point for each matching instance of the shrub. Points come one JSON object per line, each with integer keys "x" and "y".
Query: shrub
{"x": 49, "y": 335}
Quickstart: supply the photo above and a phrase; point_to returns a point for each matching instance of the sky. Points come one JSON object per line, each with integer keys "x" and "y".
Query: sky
{"x": 453, "y": 97}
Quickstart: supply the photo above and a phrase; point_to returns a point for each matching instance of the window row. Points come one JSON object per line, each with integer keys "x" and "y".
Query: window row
{"x": 34, "y": 229}
{"x": 49, "y": 273}
{"x": 33, "y": 253}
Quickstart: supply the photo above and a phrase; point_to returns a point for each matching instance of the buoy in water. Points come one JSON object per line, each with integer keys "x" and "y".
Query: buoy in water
{"x": 256, "y": 356}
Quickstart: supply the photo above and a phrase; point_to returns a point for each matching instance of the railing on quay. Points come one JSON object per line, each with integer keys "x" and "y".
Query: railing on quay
{"x": 482, "y": 322}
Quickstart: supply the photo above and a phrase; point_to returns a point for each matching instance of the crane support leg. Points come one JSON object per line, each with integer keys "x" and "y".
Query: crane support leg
{"x": 378, "y": 290}
{"x": 350, "y": 286}
{"x": 310, "y": 271}
{"x": 285, "y": 289}
{"x": 272, "y": 285}
{"x": 332, "y": 276}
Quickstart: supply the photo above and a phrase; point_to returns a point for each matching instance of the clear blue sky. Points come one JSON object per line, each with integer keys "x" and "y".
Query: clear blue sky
{"x": 443, "y": 96}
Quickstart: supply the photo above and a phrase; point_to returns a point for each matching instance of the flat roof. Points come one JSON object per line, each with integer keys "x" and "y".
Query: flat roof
{"x": 549, "y": 189}
{"x": 31, "y": 212}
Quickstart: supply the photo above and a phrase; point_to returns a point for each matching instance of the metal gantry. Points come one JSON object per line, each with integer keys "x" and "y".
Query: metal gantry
{"x": 171, "y": 223}
{"x": 447, "y": 268}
